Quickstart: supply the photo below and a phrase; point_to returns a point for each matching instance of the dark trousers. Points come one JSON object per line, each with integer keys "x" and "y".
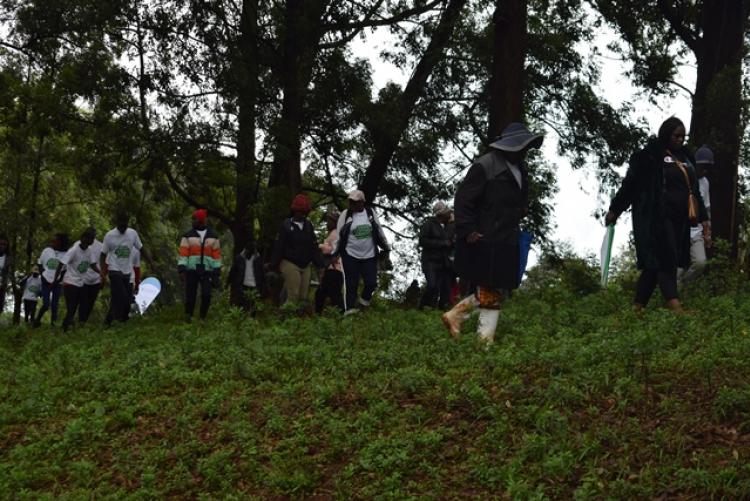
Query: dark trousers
{"x": 648, "y": 280}
{"x": 73, "y": 296}
{"x": 88, "y": 300}
{"x": 354, "y": 270}
{"x": 29, "y": 309}
{"x": 192, "y": 281}
{"x": 437, "y": 290}
{"x": 330, "y": 287}
{"x": 120, "y": 297}
{"x": 50, "y": 300}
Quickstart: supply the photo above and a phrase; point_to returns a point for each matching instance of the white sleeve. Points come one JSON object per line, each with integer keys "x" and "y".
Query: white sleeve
{"x": 339, "y": 225}
{"x": 68, "y": 255}
{"x": 105, "y": 245}
{"x": 137, "y": 244}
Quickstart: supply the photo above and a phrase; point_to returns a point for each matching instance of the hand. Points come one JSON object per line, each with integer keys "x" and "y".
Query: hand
{"x": 474, "y": 237}
{"x": 610, "y": 218}
{"x": 136, "y": 288}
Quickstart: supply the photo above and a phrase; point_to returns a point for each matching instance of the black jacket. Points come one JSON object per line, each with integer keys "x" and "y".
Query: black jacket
{"x": 298, "y": 246}
{"x": 490, "y": 201}
{"x": 237, "y": 272}
{"x": 436, "y": 241}
{"x": 643, "y": 189}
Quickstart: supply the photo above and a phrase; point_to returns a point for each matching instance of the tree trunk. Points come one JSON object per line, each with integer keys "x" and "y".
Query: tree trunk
{"x": 509, "y": 49}
{"x": 34, "y": 198}
{"x": 245, "y": 68}
{"x": 717, "y": 107}
{"x": 387, "y": 133}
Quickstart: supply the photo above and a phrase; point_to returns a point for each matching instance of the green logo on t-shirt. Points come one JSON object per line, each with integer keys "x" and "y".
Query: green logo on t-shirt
{"x": 52, "y": 263}
{"x": 35, "y": 289}
{"x": 362, "y": 231}
{"x": 83, "y": 267}
{"x": 122, "y": 252}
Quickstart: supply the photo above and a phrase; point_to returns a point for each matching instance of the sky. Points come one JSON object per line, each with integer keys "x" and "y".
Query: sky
{"x": 577, "y": 197}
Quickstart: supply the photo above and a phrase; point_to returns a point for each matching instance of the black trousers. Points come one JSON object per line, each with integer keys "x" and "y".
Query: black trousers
{"x": 437, "y": 290}
{"x": 73, "y": 297}
{"x": 120, "y": 297}
{"x": 29, "y": 309}
{"x": 50, "y": 300}
{"x": 88, "y": 300}
{"x": 330, "y": 287}
{"x": 667, "y": 281}
{"x": 192, "y": 281}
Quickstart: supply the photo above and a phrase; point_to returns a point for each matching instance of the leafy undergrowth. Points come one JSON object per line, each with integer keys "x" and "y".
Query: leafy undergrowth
{"x": 579, "y": 397}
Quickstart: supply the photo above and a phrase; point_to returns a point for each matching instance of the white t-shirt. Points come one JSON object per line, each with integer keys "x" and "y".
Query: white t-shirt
{"x": 78, "y": 262}
{"x": 136, "y": 257}
{"x": 91, "y": 277}
{"x": 119, "y": 249}
{"x": 202, "y": 234}
{"x": 249, "y": 280}
{"x": 33, "y": 288}
{"x": 48, "y": 261}
{"x": 696, "y": 232}
{"x": 360, "y": 245}
{"x": 2, "y": 262}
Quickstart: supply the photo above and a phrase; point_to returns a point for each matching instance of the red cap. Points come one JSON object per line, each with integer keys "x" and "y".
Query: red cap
{"x": 301, "y": 203}
{"x": 201, "y": 215}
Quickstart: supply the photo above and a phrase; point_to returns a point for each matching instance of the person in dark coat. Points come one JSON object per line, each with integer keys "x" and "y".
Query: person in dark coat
{"x": 656, "y": 188}
{"x": 489, "y": 205}
{"x": 247, "y": 275}
{"x": 295, "y": 250}
{"x": 437, "y": 238}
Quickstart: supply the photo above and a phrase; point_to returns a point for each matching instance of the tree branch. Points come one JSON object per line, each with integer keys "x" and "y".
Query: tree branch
{"x": 677, "y": 23}
{"x": 192, "y": 201}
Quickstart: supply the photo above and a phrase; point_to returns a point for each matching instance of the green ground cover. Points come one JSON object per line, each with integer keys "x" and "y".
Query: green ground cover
{"x": 579, "y": 397}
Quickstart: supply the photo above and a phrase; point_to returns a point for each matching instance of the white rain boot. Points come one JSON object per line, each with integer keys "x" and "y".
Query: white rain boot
{"x": 487, "y": 324}
{"x": 454, "y": 318}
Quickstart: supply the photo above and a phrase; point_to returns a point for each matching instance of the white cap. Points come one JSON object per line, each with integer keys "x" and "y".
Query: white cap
{"x": 357, "y": 196}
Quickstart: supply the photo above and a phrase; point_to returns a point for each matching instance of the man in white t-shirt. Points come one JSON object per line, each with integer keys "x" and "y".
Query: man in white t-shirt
{"x": 116, "y": 258}
{"x": 92, "y": 283}
{"x": 79, "y": 259}
{"x": 49, "y": 261}
{"x": 360, "y": 238}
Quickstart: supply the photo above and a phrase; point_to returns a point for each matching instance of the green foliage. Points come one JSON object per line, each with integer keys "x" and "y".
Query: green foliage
{"x": 578, "y": 397}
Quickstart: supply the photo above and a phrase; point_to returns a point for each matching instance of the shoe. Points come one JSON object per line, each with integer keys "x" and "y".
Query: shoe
{"x": 351, "y": 311}
{"x": 453, "y": 319}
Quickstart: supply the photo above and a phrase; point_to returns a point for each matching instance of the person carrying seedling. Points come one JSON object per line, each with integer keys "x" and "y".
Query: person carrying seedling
{"x": 199, "y": 263}
{"x": 32, "y": 289}
{"x": 489, "y": 205}
{"x": 116, "y": 264}
{"x": 662, "y": 188}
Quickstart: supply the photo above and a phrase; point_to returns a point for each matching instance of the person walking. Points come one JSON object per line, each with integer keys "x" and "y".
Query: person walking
{"x": 49, "y": 261}
{"x": 32, "y": 289}
{"x": 333, "y": 278}
{"x": 92, "y": 283}
{"x": 5, "y": 265}
{"x": 436, "y": 237}
{"x": 360, "y": 241}
{"x": 489, "y": 205}
{"x": 116, "y": 264}
{"x": 199, "y": 263}
{"x": 79, "y": 259}
{"x": 295, "y": 250}
{"x": 704, "y": 160}
{"x": 247, "y": 277}
{"x": 662, "y": 187}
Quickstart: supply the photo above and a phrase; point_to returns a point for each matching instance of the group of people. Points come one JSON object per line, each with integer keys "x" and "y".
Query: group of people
{"x": 79, "y": 271}
{"x": 475, "y": 245}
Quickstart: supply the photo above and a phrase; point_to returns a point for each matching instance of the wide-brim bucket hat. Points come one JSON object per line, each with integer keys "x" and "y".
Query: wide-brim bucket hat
{"x": 516, "y": 137}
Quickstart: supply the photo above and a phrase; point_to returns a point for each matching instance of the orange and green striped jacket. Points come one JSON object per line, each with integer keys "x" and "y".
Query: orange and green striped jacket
{"x": 193, "y": 253}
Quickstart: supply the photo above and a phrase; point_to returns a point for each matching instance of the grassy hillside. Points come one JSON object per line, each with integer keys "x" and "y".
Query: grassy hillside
{"x": 578, "y": 397}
